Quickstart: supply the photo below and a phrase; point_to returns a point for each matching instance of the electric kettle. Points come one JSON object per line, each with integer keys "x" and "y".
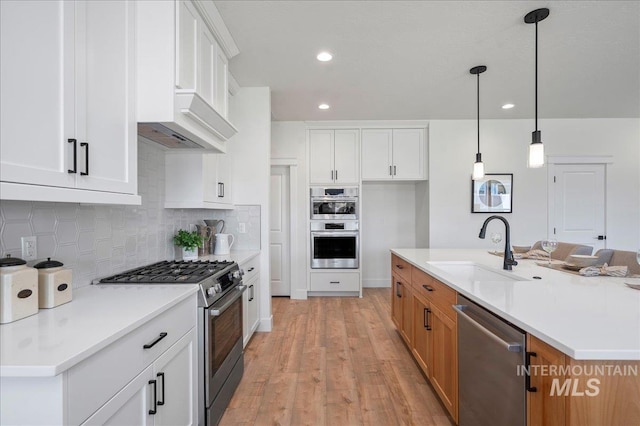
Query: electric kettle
{"x": 223, "y": 243}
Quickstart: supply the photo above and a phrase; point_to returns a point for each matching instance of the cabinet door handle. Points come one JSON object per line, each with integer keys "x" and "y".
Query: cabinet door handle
{"x": 75, "y": 156}
{"x": 336, "y": 175}
{"x": 527, "y": 377}
{"x": 251, "y": 294}
{"x": 155, "y": 396}
{"x": 86, "y": 158}
{"x": 152, "y": 344}
{"x": 398, "y": 293}
{"x": 394, "y": 170}
{"x": 161, "y": 375}
{"x": 426, "y": 287}
{"x": 427, "y": 311}
{"x": 399, "y": 266}
{"x": 220, "y": 190}
{"x": 390, "y": 172}
{"x": 332, "y": 175}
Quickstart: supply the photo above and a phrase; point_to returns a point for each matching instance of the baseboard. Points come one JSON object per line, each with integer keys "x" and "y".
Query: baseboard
{"x": 265, "y": 324}
{"x": 376, "y": 283}
{"x": 299, "y": 294}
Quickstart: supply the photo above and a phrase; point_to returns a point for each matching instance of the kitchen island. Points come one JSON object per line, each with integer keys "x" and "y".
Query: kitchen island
{"x": 570, "y": 321}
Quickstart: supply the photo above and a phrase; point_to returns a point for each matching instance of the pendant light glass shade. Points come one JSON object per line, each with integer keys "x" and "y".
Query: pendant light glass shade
{"x": 536, "y": 149}
{"x": 478, "y": 166}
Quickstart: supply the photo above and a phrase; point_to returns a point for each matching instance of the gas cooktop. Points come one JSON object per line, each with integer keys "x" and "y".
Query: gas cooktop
{"x": 169, "y": 272}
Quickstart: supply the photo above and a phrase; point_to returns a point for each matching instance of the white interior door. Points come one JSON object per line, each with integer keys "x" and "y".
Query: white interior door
{"x": 577, "y": 204}
{"x": 279, "y": 232}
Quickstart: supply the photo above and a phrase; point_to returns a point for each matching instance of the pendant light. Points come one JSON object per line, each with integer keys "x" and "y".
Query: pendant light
{"x": 478, "y": 166}
{"x": 536, "y": 149}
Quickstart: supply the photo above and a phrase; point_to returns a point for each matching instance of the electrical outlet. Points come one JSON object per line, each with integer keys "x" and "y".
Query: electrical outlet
{"x": 29, "y": 248}
{"x": 242, "y": 228}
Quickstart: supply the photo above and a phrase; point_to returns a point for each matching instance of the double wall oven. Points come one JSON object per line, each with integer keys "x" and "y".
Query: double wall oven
{"x": 220, "y": 356}
{"x": 334, "y": 228}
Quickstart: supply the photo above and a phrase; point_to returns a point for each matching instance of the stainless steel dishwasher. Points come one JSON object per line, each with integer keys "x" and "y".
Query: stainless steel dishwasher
{"x": 490, "y": 392}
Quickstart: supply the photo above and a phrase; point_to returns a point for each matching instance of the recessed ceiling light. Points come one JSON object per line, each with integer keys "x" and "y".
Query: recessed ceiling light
{"x": 507, "y": 106}
{"x": 323, "y": 106}
{"x": 324, "y": 56}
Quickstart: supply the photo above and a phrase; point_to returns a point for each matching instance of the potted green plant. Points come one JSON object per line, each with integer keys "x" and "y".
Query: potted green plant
{"x": 189, "y": 242}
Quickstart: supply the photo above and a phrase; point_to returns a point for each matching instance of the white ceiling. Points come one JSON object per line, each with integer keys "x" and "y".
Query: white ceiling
{"x": 411, "y": 59}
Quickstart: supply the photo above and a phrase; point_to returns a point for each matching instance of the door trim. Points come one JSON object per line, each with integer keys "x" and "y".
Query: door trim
{"x": 292, "y": 164}
{"x": 580, "y": 159}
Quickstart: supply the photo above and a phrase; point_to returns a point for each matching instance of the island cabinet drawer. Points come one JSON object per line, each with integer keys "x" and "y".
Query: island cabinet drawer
{"x": 251, "y": 268}
{"x": 401, "y": 267}
{"x": 438, "y": 293}
{"x": 339, "y": 281}
{"x": 93, "y": 381}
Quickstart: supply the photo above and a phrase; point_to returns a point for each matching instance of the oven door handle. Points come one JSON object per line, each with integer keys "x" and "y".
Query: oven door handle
{"x": 216, "y": 311}
{"x": 334, "y": 233}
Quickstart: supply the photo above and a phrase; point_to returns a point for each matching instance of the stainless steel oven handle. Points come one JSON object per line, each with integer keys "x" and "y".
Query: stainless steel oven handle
{"x": 334, "y": 233}
{"x": 216, "y": 311}
{"x": 511, "y": 347}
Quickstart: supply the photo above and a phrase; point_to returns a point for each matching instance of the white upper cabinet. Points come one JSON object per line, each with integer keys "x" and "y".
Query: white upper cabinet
{"x": 67, "y": 102}
{"x": 393, "y": 154}
{"x": 183, "y": 92}
{"x": 334, "y": 157}
{"x": 196, "y": 180}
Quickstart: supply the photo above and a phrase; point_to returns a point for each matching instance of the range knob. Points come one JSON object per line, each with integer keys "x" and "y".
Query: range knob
{"x": 235, "y": 275}
{"x": 218, "y": 288}
{"x": 211, "y": 291}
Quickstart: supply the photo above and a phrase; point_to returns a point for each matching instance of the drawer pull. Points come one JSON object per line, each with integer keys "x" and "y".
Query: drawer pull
{"x": 427, "y": 311}
{"x": 161, "y": 375}
{"x": 398, "y": 293}
{"x": 251, "y": 269}
{"x": 399, "y": 266}
{"x": 334, "y": 282}
{"x": 152, "y": 344}
{"x": 155, "y": 395}
{"x": 426, "y": 287}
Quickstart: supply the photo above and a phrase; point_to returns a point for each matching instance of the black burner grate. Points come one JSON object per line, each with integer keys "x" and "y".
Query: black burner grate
{"x": 169, "y": 272}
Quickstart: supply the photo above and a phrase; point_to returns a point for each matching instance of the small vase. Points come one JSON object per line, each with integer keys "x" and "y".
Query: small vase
{"x": 189, "y": 254}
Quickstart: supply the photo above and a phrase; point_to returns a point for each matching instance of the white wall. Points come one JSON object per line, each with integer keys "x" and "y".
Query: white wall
{"x": 388, "y": 221}
{"x": 250, "y": 112}
{"x": 422, "y": 214}
{"x": 289, "y": 142}
{"x": 504, "y": 144}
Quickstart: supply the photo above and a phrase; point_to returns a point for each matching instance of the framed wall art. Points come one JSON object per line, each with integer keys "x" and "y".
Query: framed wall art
{"x": 492, "y": 194}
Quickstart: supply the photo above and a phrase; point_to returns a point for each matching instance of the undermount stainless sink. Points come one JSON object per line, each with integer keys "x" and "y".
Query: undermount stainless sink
{"x": 473, "y": 272}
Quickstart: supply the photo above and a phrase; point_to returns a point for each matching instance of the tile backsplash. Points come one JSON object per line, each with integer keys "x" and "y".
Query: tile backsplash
{"x": 100, "y": 240}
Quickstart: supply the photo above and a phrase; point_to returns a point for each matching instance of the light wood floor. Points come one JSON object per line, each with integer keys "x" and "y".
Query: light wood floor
{"x": 332, "y": 361}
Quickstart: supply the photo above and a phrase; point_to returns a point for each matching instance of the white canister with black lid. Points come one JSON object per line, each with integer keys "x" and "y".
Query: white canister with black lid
{"x": 18, "y": 289}
{"x": 54, "y": 284}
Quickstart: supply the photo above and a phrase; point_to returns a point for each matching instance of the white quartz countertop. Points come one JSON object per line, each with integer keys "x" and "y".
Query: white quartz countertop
{"x": 587, "y": 318}
{"x": 240, "y": 256}
{"x": 54, "y": 340}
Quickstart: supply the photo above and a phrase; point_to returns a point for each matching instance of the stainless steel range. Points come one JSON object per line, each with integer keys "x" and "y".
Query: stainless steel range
{"x": 220, "y": 355}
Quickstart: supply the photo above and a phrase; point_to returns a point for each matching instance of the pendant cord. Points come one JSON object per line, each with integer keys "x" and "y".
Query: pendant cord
{"x": 536, "y": 86}
{"x": 478, "y": 98}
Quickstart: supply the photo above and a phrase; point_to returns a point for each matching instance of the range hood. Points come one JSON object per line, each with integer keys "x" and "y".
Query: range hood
{"x": 181, "y": 78}
{"x": 195, "y": 125}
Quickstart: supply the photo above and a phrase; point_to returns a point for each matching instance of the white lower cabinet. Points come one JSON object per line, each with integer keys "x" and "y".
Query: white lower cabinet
{"x": 152, "y": 368}
{"x": 163, "y": 394}
{"x": 250, "y": 299}
{"x": 335, "y": 282}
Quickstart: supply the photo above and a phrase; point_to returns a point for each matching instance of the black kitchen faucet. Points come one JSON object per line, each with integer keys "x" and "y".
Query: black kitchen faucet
{"x": 509, "y": 261}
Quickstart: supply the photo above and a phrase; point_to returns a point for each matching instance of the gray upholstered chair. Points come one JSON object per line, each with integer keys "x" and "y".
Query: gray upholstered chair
{"x": 621, "y": 258}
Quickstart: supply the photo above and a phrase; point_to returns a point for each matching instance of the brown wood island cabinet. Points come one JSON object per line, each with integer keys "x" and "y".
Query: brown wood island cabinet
{"x": 562, "y": 391}
{"x": 421, "y": 309}
{"x": 576, "y": 393}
